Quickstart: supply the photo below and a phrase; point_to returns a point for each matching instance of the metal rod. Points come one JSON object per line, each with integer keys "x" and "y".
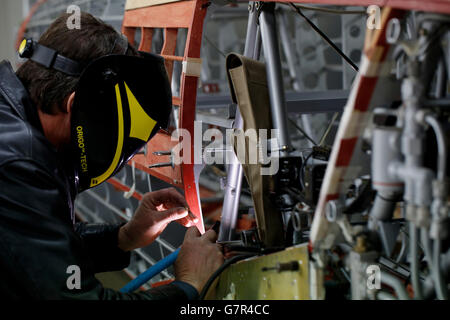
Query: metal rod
{"x": 426, "y": 244}
{"x": 413, "y": 238}
{"x": 310, "y": 140}
{"x": 328, "y": 129}
{"x": 274, "y": 75}
{"x": 235, "y": 174}
{"x": 286, "y": 42}
{"x": 442, "y": 146}
{"x": 396, "y": 284}
{"x": 257, "y": 47}
{"x": 382, "y": 295}
{"x": 325, "y": 37}
{"x": 439, "y": 282}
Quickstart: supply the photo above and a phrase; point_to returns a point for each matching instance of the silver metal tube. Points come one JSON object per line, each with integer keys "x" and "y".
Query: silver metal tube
{"x": 382, "y": 295}
{"x": 426, "y": 244}
{"x": 252, "y": 31}
{"x": 442, "y": 146}
{"x": 286, "y": 42}
{"x": 274, "y": 75}
{"x": 441, "y": 286}
{"x": 402, "y": 250}
{"x": 257, "y": 49}
{"x": 413, "y": 245}
{"x": 441, "y": 80}
{"x": 382, "y": 210}
{"x": 437, "y": 284}
{"x": 413, "y": 132}
{"x": 396, "y": 284}
{"x": 235, "y": 173}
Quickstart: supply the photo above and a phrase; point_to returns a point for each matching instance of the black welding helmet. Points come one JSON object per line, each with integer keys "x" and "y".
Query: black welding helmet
{"x": 120, "y": 103}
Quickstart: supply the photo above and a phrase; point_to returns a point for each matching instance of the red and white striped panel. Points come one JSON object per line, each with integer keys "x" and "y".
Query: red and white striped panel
{"x": 371, "y": 88}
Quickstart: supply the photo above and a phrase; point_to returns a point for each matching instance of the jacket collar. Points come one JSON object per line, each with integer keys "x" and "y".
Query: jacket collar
{"x": 12, "y": 89}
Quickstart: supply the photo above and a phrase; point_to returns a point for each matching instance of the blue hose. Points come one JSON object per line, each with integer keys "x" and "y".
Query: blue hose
{"x": 151, "y": 272}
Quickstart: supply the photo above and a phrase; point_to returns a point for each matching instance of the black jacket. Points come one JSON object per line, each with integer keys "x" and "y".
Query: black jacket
{"x": 38, "y": 237}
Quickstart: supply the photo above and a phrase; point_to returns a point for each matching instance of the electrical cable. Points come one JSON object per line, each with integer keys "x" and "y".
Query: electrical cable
{"x": 302, "y": 131}
{"x": 334, "y": 11}
{"x": 325, "y": 37}
{"x": 302, "y": 169}
{"x": 217, "y": 273}
{"x": 215, "y": 47}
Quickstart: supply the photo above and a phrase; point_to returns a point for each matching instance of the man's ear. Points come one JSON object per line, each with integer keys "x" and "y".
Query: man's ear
{"x": 69, "y": 103}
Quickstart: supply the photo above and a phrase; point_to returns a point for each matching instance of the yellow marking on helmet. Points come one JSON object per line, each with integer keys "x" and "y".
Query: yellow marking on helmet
{"x": 22, "y": 45}
{"x": 115, "y": 162}
{"x": 141, "y": 124}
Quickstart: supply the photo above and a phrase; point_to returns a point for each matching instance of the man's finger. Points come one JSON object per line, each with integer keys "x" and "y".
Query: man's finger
{"x": 189, "y": 221}
{"x": 210, "y": 236}
{"x": 171, "y": 197}
{"x": 186, "y": 222}
{"x": 173, "y": 214}
{"x": 192, "y": 217}
{"x": 168, "y": 197}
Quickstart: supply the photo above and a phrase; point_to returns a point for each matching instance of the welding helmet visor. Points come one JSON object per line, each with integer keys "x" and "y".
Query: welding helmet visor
{"x": 120, "y": 104}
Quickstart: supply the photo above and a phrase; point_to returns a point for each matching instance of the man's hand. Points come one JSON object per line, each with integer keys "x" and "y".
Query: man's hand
{"x": 156, "y": 210}
{"x": 199, "y": 257}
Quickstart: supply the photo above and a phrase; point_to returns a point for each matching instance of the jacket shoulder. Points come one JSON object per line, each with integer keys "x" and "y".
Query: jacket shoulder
{"x": 20, "y": 140}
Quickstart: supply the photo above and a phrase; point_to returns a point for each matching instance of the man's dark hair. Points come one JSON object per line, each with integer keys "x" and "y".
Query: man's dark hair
{"x": 48, "y": 88}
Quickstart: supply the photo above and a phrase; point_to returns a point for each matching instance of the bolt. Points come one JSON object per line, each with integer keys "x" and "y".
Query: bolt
{"x": 360, "y": 246}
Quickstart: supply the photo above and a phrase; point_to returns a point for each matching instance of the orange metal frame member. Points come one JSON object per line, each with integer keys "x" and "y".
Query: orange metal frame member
{"x": 188, "y": 14}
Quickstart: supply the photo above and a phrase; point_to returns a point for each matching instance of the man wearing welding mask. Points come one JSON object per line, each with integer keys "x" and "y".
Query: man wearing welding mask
{"x": 71, "y": 117}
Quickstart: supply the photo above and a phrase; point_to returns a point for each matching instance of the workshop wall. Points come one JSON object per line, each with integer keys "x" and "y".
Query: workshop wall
{"x": 11, "y": 16}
